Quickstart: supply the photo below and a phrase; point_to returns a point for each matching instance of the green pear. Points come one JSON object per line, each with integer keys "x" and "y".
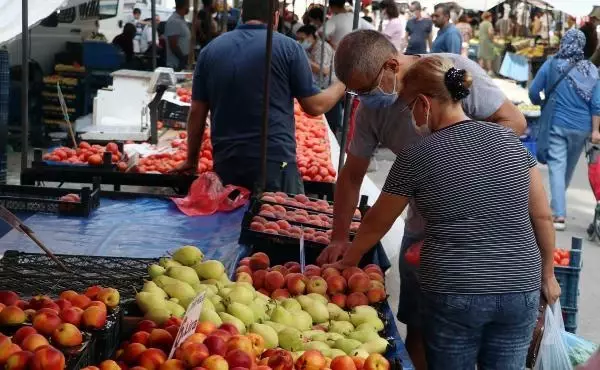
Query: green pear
{"x": 156, "y": 270}
{"x": 259, "y": 309}
{"x": 302, "y": 320}
{"x": 242, "y": 312}
{"x": 166, "y": 262}
{"x": 364, "y": 335}
{"x": 336, "y": 313}
{"x": 175, "y": 300}
{"x": 268, "y": 333}
{"x": 372, "y": 324}
{"x": 336, "y": 353}
{"x": 185, "y": 274}
{"x": 275, "y": 325}
{"x": 359, "y": 352}
{"x": 148, "y": 301}
{"x": 244, "y": 284}
{"x": 366, "y": 310}
{"x": 318, "y": 311}
{"x": 208, "y": 304}
{"x": 290, "y": 339}
{"x": 319, "y": 346}
{"x": 241, "y": 295}
{"x": 158, "y": 315}
{"x": 347, "y": 345}
{"x": 322, "y": 337}
{"x": 151, "y": 287}
{"x": 182, "y": 291}
{"x": 175, "y": 309}
{"x": 311, "y": 334}
{"x": 188, "y": 255}
{"x": 213, "y": 282}
{"x": 212, "y": 316}
{"x": 291, "y": 305}
{"x": 378, "y": 345}
{"x": 282, "y": 316}
{"x": 263, "y": 297}
{"x": 224, "y": 291}
{"x": 163, "y": 280}
{"x": 224, "y": 279}
{"x": 341, "y": 327}
{"x": 318, "y": 297}
{"x": 305, "y": 301}
{"x": 227, "y": 318}
{"x": 211, "y": 269}
{"x": 331, "y": 338}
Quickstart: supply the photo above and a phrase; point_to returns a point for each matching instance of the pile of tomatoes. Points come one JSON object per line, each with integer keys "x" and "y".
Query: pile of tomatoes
{"x": 312, "y": 148}
{"x": 561, "y": 257}
{"x": 184, "y": 94}
{"x": 87, "y": 154}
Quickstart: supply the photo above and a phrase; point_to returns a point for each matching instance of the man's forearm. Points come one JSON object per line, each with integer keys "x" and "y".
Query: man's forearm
{"x": 595, "y": 123}
{"x": 196, "y": 124}
{"x": 346, "y": 199}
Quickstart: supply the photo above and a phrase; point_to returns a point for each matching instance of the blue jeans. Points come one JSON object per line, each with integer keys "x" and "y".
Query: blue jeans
{"x": 564, "y": 149}
{"x": 491, "y": 331}
{"x": 410, "y": 288}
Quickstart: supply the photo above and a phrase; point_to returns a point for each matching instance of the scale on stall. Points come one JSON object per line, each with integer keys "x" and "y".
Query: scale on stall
{"x": 123, "y": 111}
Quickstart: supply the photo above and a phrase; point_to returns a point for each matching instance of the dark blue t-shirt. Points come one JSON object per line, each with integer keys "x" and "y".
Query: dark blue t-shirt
{"x": 418, "y": 31}
{"x": 230, "y": 76}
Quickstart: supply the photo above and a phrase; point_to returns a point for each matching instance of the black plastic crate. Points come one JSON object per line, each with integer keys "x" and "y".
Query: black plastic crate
{"x": 23, "y": 198}
{"x": 107, "y": 340}
{"x": 81, "y": 356}
{"x": 362, "y": 206}
{"x": 30, "y": 274}
{"x": 168, "y": 111}
{"x": 323, "y": 190}
{"x": 568, "y": 276}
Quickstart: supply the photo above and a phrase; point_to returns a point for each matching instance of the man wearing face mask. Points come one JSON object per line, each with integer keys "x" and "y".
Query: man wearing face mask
{"x": 369, "y": 64}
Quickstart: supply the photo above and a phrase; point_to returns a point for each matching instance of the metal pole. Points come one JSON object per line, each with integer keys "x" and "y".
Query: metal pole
{"x": 267, "y": 84}
{"x": 24, "y": 85}
{"x": 323, "y": 41}
{"x": 154, "y": 30}
{"x": 348, "y": 99}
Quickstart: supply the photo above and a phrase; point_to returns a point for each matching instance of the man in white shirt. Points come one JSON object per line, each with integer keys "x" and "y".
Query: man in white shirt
{"x": 340, "y": 24}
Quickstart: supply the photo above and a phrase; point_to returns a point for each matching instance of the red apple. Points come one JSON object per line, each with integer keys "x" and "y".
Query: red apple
{"x": 34, "y": 342}
{"x": 311, "y": 360}
{"x": 67, "y": 335}
{"x": 206, "y": 327}
{"x": 22, "y": 333}
{"x": 196, "y": 338}
{"x": 280, "y": 294}
{"x": 8, "y": 298}
{"x": 216, "y": 345}
{"x": 19, "y": 361}
{"x": 48, "y": 358}
{"x": 109, "y": 296}
{"x": 239, "y": 358}
{"x": 12, "y": 315}
{"x": 281, "y": 360}
{"x": 52, "y": 306}
{"x": 229, "y": 328}
{"x": 259, "y": 261}
{"x": 240, "y": 342}
{"x": 22, "y": 304}
{"x": 359, "y": 283}
{"x": 329, "y": 272}
{"x": 109, "y": 365}
{"x": 173, "y": 364}
{"x": 173, "y": 320}
{"x": 245, "y": 261}
{"x": 160, "y": 338}
{"x": 336, "y": 284}
{"x": 141, "y": 337}
{"x": 223, "y": 334}
{"x": 68, "y": 295}
{"x": 173, "y": 330}
{"x": 258, "y": 343}
{"x": 356, "y": 299}
{"x": 45, "y": 323}
{"x": 312, "y": 270}
{"x": 348, "y": 272}
{"x": 152, "y": 359}
{"x": 339, "y": 299}
{"x": 81, "y": 301}
{"x": 245, "y": 269}
{"x": 92, "y": 292}
{"x": 292, "y": 266}
{"x": 274, "y": 280}
{"x": 359, "y": 362}
{"x": 132, "y": 352}
{"x": 63, "y": 304}
{"x": 8, "y": 350}
{"x": 281, "y": 269}
{"x": 295, "y": 283}
{"x": 72, "y": 315}
{"x": 98, "y": 304}
{"x": 258, "y": 279}
{"x": 93, "y": 318}
{"x": 316, "y": 284}
{"x": 194, "y": 354}
{"x": 146, "y": 325}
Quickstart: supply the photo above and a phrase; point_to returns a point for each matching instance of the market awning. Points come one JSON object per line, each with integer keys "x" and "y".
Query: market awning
{"x": 481, "y": 5}
{"x": 577, "y": 8}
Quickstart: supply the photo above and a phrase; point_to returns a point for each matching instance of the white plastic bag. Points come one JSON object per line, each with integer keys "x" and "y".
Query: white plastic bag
{"x": 553, "y": 353}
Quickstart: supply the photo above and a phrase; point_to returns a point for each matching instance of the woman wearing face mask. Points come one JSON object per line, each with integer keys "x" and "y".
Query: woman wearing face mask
{"x": 489, "y": 240}
{"x": 393, "y": 24}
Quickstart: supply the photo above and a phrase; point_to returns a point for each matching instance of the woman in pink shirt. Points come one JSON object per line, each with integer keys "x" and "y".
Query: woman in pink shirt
{"x": 394, "y": 24}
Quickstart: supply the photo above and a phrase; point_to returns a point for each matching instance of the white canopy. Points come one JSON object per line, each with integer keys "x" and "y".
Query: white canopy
{"x": 10, "y": 21}
{"x": 481, "y": 5}
{"x": 576, "y": 8}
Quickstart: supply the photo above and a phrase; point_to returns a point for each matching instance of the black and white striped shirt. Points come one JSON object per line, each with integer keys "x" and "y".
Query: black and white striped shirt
{"x": 470, "y": 182}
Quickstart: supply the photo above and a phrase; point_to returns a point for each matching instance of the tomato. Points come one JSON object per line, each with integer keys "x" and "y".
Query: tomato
{"x": 61, "y": 154}
{"x": 95, "y": 160}
{"x": 84, "y": 145}
{"x": 564, "y": 262}
{"x": 115, "y": 158}
{"x": 207, "y": 154}
{"x": 318, "y": 178}
{"x": 324, "y": 172}
{"x": 183, "y": 135}
{"x": 112, "y": 147}
{"x": 122, "y": 166}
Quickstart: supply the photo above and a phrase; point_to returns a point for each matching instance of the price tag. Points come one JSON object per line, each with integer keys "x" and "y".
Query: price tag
{"x": 302, "y": 256}
{"x": 189, "y": 323}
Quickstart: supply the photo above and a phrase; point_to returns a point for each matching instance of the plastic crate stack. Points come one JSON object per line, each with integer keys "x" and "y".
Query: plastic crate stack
{"x": 71, "y": 80}
{"x": 568, "y": 279}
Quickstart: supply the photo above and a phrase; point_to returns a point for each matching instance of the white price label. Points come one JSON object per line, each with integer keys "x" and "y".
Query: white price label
{"x": 189, "y": 323}
{"x": 302, "y": 255}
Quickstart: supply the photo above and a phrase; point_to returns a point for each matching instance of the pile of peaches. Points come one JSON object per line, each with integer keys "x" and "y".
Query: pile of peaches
{"x": 47, "y": 327}
{"x": 348, "y": 288}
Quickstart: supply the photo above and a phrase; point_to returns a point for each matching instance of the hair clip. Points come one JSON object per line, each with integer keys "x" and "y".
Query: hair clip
{"x": 455, "y": 83}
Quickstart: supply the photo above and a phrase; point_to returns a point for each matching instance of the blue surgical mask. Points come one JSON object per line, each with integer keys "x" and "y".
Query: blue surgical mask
{"x": 306, "y": 44}
{"x": 377, "y": 98}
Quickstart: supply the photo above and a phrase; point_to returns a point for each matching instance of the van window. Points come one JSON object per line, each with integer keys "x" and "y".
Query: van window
{"x": 99, "y": 9}
{"x": 66, "y": 15}
{"x": 108, "y": 8}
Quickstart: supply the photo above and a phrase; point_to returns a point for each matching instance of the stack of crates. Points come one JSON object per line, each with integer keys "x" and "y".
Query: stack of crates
{"x": 71, "y": 80}
{"x": 568, "y": 279}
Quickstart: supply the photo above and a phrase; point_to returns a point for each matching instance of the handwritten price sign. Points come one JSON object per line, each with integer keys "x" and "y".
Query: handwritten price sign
{"x": 189, "y": 323}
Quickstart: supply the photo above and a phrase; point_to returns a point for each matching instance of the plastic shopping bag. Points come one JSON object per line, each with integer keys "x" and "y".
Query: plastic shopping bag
{"x": 593, "y": 363}
{"x": 553, "y": 353}
{"x": 580, "y": 350}
{"x": 207, "y": 195}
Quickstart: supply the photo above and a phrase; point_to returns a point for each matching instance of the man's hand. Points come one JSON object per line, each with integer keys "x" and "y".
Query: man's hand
{"x": 187, "y": 168}
{"x": 596, "y": 137}
{"x": 333, "y": 252}
{"x": 551, "y": 289}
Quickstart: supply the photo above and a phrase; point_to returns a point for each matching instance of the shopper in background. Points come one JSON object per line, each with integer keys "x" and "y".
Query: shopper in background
{"x": 371, "y": 66}
{"x": 418, "y": 31}
{"x": 146, "y": 40}
{"x": 480, "y": 295}
{"x": 124, "y": 41}
{"x": 576, "y": 114}
{"x": 207, "y": 25}
{"x": 466, "y": 33}
{"x": 486, "y": 53}
{"x": 315, "y": 16}
{"x": 228, "y": 82}
{"x": 139, "y": 24}
{"x": 394, "y": 25}
{"x": 341, "y": 22}
{"x": 506, "y": 26}
{"x": 448, "y": 39}
{"x": 177, "y": 32}
{"x": 591, "y": 51}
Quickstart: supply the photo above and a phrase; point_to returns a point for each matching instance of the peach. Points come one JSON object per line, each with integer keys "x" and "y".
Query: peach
{"x": 63, "y": 304}
{"x": 81, "y": 301}
{"x": 8, "y": 350}
{"x": 194, "y": 354}
{"x": 295, "y": 283}
{"x": 281, "y": 360}
{"x": 258, "y": 278}
{"x": 215, "y": 362}
{"x": 173, "y": 364}
{"x": 173, "y": 330}
{"x": 376, "y": 295}
{"x": 12, "y": 315}
{"x": 109, "y": 365}
{"x": 316, "y": 284}
{"x": 238, "y": 358}
{"x": 223, "y": 334}
{"x": 93, "y": 318}
{"x": 92, "y": 292}
{"x": 374, "y": 284}
{"x": 206, "y": 327}
{"x": 311, "y": 360}
{"x": 376, "y": 277}
{"x": 196, "y": 338}
{"x": 160, "y": 338}
{"x": 48, "y": 358}
{"x": 356, "y": 299}
{"x": 281, "y": 269}
{"x": 359, "y": 283}
{"x": 374, "y": 268}
{"x": 45, "y": 323}
{"x": 342, "y": 363}
{"x": 312, "y": 270}
{"x": 8, "y": 298}
{"x": 279, "y": 294}
{"x": 359, "y": 362}
{"x": 258, "y": 343}
{"x": 19, "y": 361}
{"x": 34, "y": 342}
{"x": 152, "y": 359}
{"x": 240, "y": 342}
{"x": 339, "y": 299}
{"x": 173, "y": 320}
{"x": 273, "y": 280}
{"x": 68, "y": 295}
{"x": 109, "y": 296}
{"x": 216, "y": 345}
{"x": 132, "y": 352}
{"x": 146, "y": 325}
{"x": 329, "y": 272}
{"x": 375, "y": 361}
{"x": 140, "y": 337}
{"x": 245, "y": 261}
{"x": 348, "y": 272}
{"x": 245, "y": 269}
{"x": 23, "y": 333}
{"x": 72, "y": 315}
{"x": 67, "y": 335}
{"x": 292, "y": 266}
{"x": 336, "y": 284}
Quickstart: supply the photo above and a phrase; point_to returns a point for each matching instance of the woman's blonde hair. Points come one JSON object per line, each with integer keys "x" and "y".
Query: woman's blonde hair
{"x": 486, "y": 15}
{"x": 436, "y": 76}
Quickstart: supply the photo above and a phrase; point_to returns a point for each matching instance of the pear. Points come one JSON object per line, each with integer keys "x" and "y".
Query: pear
{"x": 212, "y": 316}
{"x": 242, "y": 312}
{"x": 336, "y": 313}
{"x": 331, "y": 338}
{"x": 275, "y": 325}
{"x": 224, "y": 291}
{"x": 188, "y": 255}
{"x": 224, "y": 279}
{"x": 148, "y": 301}
{"x": 182, "y": 291}
{"x": 156, "y": 270}
{"x": 347, "y": 345}
{"x": 151, "y": 287}
{"x": 158, "y": 315}
{"x": 243, "y": 284}
{"x": 319, "y": 346}
{"x": 362, "y": 314}
{"x": 305, "y": 301}
{"x": 241, "y": 295}
{"x": 322, "y": 337}
{"x": 282, "y": 316}
{"x": 263, "y": 297}
{"x": 234, "y": 321}
{"x": 291, "y": 305}
{"x": 372, "y": 324}
{"x": 378, "y": 345}
{"x": 336, "y": 353}
{"x": 211, "y": 269}
{"x": 185, "y": 274}
{"x": 213, "y": 282}
{"x": 341, "y": 327}
{"x": 318, "y": 311}
{"x": 163, "y": 280}
{"x": 318, "y": 297}
{"x": 166, "y": 262}
{"x": 268, "y": 333}
{"x": 259, "y": 309}
{"x": 175, "y": 309}
{"x": 359, "y": 352}
{"x": 290, "y": 339}
{"x": 311, "y": 334}
{"x": 366, "y": 310}
{"x": 302, "y": 320}
{"x": 208, "y": 304}
{"x": 363, "y": 336}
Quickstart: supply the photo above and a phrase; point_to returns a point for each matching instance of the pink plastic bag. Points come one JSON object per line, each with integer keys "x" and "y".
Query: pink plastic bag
{"x": 207, "y": 195}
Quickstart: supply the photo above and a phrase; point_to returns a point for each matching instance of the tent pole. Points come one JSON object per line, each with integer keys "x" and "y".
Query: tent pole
{"x": 348, "y": 99}
{"x": 154, "y": 30}
{"x": 323, "y": 41}
{"x": 266, "y": 88}
{"x": 24, "y": 85}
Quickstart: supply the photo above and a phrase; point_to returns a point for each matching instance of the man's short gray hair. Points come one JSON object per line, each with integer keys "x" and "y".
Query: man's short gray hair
{"x": 362, "y": 51}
